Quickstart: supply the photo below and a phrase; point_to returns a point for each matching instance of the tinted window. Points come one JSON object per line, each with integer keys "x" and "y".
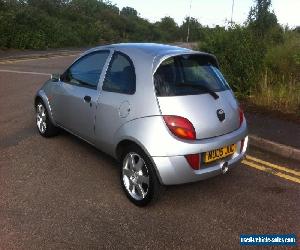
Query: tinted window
{"x": 87, "y": 70}
{"x": 188, "y": 75}
{"x": 120, "y": 76}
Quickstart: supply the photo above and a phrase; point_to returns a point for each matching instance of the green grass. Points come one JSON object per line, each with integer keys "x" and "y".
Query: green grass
{"x": 282, "y": 97}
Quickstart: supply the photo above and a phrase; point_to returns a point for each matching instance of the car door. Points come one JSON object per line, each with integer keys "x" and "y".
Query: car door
{"x": 114, "y": 104}
{"x": 77, "y": 94}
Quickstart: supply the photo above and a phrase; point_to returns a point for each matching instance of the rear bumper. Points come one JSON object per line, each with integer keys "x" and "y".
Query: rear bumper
{"x": 176, "y": 170}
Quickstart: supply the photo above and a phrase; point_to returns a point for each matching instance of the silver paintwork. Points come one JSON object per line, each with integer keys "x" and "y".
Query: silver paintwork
{"x": 175, "y": 169}
{"x": 202, "y": 112}
{"x": 112, "y": 117}
{"x": 135, "y": 176}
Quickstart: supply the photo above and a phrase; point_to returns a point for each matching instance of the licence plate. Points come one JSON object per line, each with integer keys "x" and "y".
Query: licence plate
{"x": 219, "y": 153}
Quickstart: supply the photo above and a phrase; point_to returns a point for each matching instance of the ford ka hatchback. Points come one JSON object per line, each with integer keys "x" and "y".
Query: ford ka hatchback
{"x": 166, "y": 113}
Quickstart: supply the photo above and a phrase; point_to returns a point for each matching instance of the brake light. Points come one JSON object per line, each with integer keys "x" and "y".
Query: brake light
{"x": 180, "y": 126}
{"x": 241, "y": 116}
{"x": 194, "y": 161}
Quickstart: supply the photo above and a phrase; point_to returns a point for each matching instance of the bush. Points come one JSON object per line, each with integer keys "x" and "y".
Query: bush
{"x": 239, "y": 55}
{"x": 283, "y": 61}
{"x": 279, "y": 86}
{"x": 265, "y": 72}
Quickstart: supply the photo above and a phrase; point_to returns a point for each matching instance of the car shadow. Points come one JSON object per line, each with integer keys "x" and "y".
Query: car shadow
{"x": 175, "y": 195}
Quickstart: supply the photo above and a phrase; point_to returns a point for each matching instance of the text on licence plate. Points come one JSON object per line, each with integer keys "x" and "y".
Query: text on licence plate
{"x": 219, "y": 153}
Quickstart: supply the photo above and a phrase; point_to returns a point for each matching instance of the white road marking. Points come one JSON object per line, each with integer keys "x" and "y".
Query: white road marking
{"x": 10, "y": 61}
{"x": 24, "y": 72}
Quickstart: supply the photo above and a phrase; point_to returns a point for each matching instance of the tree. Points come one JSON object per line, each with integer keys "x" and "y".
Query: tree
{"x": 261, "y": 19}
{"x": 195, "y": 29}
{"x": 239, "y": 56}
{"x": 2, "y": 5}
{"x": 128, "y": 11}
{"x": 169, "y": 29}
{"x": 50, "y": 6}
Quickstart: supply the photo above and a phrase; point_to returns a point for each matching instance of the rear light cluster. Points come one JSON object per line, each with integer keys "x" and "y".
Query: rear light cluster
{"x": 241, "y": 116}
{"x": 180, "y": 126}
{"x": 184, "y": 129}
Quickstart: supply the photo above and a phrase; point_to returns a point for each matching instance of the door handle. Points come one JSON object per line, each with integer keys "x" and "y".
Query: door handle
{"x": 87, "y": 98}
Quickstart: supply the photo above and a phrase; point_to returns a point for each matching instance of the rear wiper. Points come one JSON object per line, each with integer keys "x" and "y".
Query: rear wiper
{"x": 202, "y": 87}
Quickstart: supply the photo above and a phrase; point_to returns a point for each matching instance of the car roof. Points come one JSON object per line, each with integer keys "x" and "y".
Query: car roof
{"x": 152, "y": 52}
{"x": 152, "y": 49}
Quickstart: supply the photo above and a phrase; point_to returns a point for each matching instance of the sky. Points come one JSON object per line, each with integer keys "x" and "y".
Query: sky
{"x": 210, "y": 12}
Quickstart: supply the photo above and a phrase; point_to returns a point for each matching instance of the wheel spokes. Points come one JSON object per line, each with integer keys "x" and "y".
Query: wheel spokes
{"x": 138, "y": 166}
{"x": 41, "y": 118}
{"x": 127, "y": 172}
{"x": 133, "y": 189}
{"x": 141, "y": 190}
{"x": 142, "y": 179}
{"x": 43, "y": 126}
{"x": 131, "y": 162}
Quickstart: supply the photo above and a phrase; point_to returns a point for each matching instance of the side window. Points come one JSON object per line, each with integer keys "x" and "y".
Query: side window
{"x": 120, "y": 76}
{"x": 87, "y": 70}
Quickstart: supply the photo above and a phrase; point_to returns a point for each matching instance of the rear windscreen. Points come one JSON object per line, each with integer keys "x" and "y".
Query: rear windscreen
{"x": 188, "y": 75}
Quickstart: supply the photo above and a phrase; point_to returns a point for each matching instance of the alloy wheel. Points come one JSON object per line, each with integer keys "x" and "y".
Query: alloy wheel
{"x": 41, "y": 117}
{"x": 135, "y": 176}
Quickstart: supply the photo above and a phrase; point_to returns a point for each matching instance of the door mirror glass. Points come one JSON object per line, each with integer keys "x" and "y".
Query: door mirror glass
{"x": 55, "y": 77}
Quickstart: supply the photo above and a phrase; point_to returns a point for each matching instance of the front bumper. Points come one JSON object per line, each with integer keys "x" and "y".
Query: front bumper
{"x": 176, "y": 170}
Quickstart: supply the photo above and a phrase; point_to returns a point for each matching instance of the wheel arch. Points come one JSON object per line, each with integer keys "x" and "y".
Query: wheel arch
{"x": 125, "y": 143}
{"x": 41, "y": 96}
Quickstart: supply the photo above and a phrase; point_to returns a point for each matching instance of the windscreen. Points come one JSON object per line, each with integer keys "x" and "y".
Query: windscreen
{"x": 188, "y": 75}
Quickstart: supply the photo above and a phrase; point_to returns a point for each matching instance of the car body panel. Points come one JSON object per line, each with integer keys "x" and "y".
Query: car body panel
{"x": 201, "y": 109}
{"x": 152, "y": 133}
{"x": 116, "y": 109}
{"x": 41, "y": 93}
{"x": 73, "y": 112}
{"x": 175, "y": 169}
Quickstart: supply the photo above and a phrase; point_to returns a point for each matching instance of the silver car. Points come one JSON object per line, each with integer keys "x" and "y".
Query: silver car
{"x": 166, "y": 113}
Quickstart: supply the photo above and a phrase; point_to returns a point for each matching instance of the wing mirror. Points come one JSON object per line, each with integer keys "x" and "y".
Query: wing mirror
{"x": 55, "y": 77}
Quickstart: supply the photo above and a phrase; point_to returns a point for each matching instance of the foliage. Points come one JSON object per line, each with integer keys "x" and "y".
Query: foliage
{"x": 279, "y": 87}
{"x": 196, "y": 31}
{"x": 284, "y": 97}
{"x": 261, "y": 19}
{"x": 238, "y": 54}
{"x": 168, "y": 28}
{"x": 38, "y": 24}
{"x": 283, "y": 59}
{"x": 128, "y": 11}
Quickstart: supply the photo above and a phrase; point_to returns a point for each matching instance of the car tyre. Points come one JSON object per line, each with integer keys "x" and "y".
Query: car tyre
{"x": 138, "y": 177}
{"x": 44, "y": 125}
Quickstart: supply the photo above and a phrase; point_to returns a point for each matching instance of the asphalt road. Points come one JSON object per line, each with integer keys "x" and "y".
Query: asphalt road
{"x": 62, "y": 193}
